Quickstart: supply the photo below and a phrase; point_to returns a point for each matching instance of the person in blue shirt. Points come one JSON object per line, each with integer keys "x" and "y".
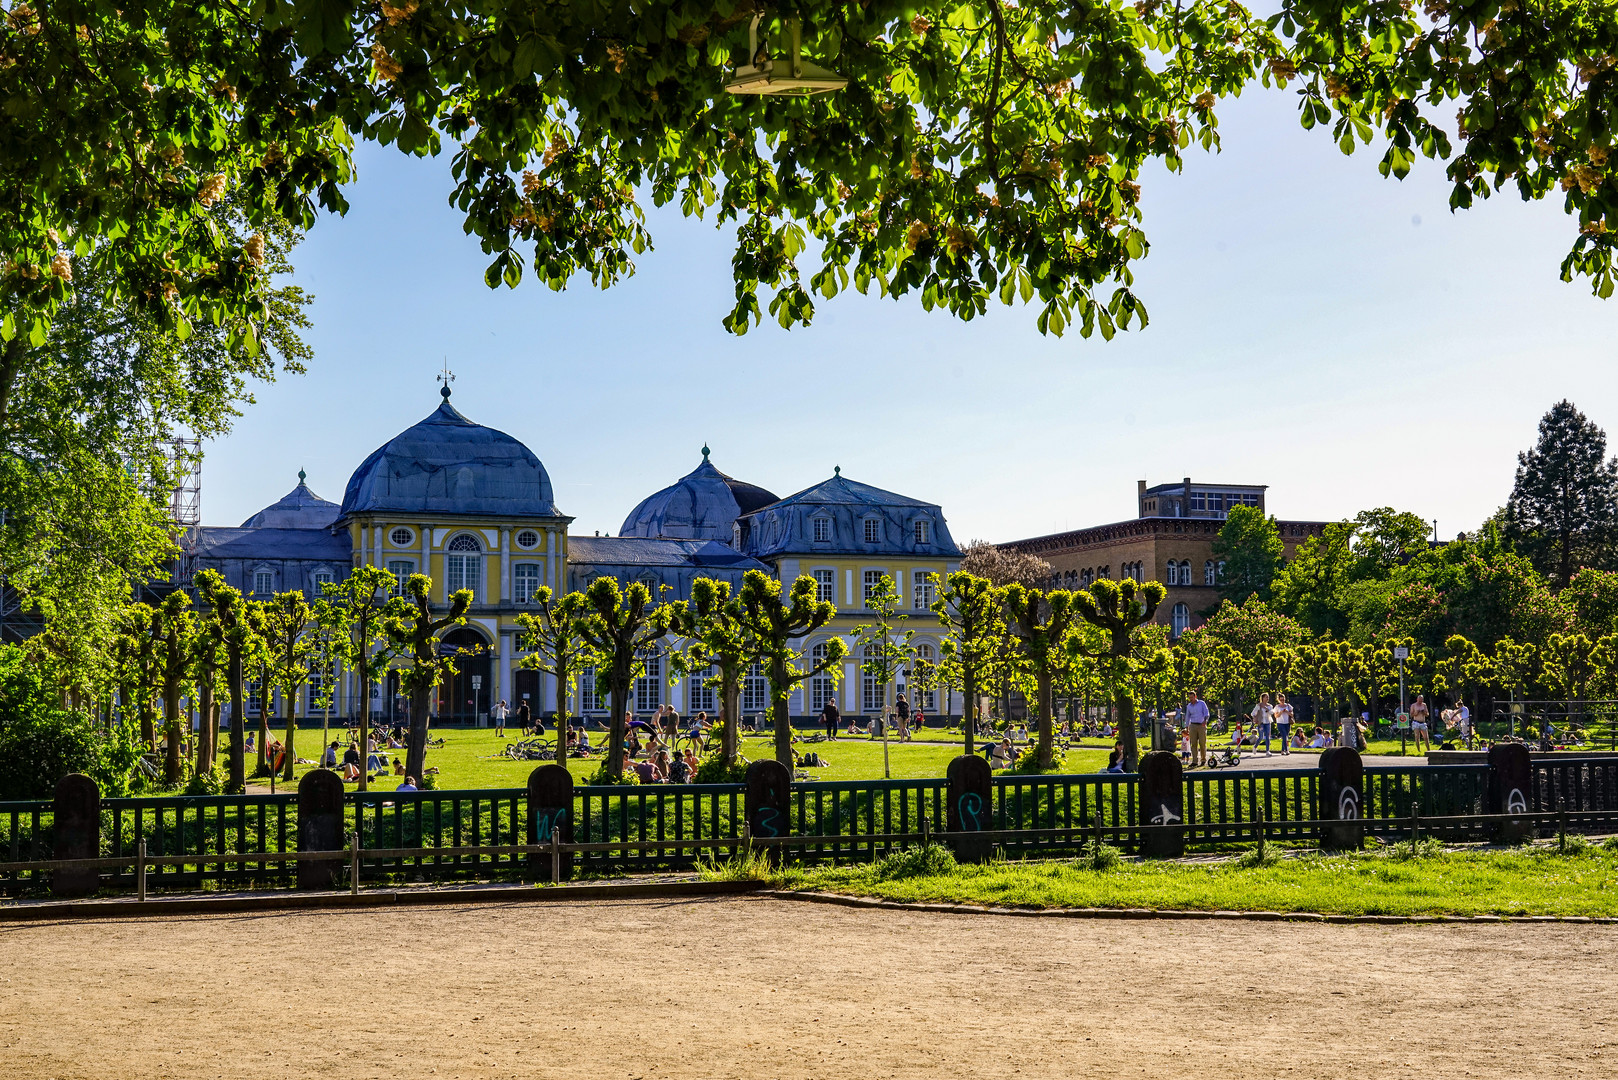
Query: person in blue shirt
{"x": 1196, "y": 722}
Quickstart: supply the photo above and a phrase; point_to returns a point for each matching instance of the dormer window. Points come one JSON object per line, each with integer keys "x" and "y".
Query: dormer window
{"x": 921, "y": 531}
{"x": 822, "y": 530}
{"x": 736, "y": 535}
{"x": 873, "y": 530}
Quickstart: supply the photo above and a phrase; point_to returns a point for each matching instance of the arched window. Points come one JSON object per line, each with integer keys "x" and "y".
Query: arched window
{"x": 1185, "y": 572}
{"x": 1208, "y": 577}
{"x": 463, "y": 566}
{"x": 1180, "y": 620}
{"x": 822, "y": 688}
{"x": 871, "y": 687}
{"x": 755, "y": 690}
{"x": 924, "y": 699}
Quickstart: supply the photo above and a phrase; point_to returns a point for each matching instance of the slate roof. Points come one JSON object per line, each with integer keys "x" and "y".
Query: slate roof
{"x": 447, "y": 464}
{"x": 702, "y": 505}
{"x": 786, "y": 527}
{"x": 637, "y": 551}
{"x": 218, "y": 543}
{"x": 299, "y": 508}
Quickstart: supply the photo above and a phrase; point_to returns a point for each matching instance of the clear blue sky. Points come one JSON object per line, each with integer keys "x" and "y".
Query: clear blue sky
{"x": 1340, "y": 337}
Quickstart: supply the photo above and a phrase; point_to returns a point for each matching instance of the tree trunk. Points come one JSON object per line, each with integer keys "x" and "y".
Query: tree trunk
{"x": 289, "y": 709}
{"x": 263, "y": 734}
{"x": 1047, "y": 747}
{"x": 365, "y": 730}
{"x": 969, "y": 706}
{"x": 148, "y": 730}
{"x": 171, "y": 724}
{"x": 561, "y": 715}
{"x": 1124, "y": 704}
{"x": 618, "y": 694}
{"x": 416, "y": 744}
{"x": 238, "y": 727}
{"x": 205, "y": 709}
{"x": 779, "y": 710}
{"x": 730, "y": 692}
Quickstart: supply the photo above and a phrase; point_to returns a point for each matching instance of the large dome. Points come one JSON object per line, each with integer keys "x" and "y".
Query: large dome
{"x": 448, "y": 465}
{"x": 702, "y": 505}
{"x": 299, "y": 508}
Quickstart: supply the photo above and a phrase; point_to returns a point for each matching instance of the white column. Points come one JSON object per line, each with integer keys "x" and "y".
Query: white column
{"x": 426, "y": 532}
{"x": 376, "y": 544}
{"x": 505, "y": 564}
{"x": 851, "y": 688}
{"x": 899, "y": 587}
{"x": 505, "y": 690}
{"x": 848, "y": 588}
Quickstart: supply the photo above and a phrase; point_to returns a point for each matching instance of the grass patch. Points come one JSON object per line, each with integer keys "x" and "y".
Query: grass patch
{"x": 1398, "y": 881}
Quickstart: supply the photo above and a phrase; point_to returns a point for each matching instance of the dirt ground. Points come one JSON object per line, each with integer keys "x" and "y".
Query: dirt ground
{"x": 766, "y": 988}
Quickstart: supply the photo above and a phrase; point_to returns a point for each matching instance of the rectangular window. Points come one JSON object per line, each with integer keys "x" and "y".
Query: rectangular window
{"x": 263, "y": 583}
{"x": 755, "y": 690}
{"x": 921, "y": 532}
{"x": 870, "y": 694}
{"x": 826, "y": 585}
{"x": 702, "y": 695}
{"x": 649, "y": 687}
{"x": 524, "y": 582}
{"x": 923, "y": 589}
{"x": 255, "y": 696}
{"x": 821, "y": 690}
{"x": 822, "y": 530}
{"x": 873, "y": 581}
{"x": 873, "y": 530}
{"x": 589, "y": 700}
{"x": 318, "y": 681}
{"x": 401, "y": 569}
{"x": 463, "y": 572}
{"x": 322, "y": 578}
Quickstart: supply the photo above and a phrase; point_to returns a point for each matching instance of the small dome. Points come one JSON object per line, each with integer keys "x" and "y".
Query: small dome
{"x": 702, "y": 505}
{"x": 448, "y": 465}
{"x": 299, "y": 508}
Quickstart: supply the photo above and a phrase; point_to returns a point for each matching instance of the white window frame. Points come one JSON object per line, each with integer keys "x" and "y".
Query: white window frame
{"x": 649, "y": 687}
{"x": 526, "y": 570}
{"x": 755, "y": 690}
{"x": 401, "y": 569}
{"x": 409, "y": 536}
{"x": 319, "y": 578}
{"x": 463, "y": 567}
{"x": 823, "y": 530}
{"x": 928, "y": 699}
{"x": 921, "y": 531}
{"x": 825, "y": 583}
{"x": 871, "y": 690}
{"x": 700, "y": 697}
{"x": 265, "y": 576}
{"x": 871, "y": 525}
{"x": 531, "y": 544}
{"x": 923, "y": 589}
{"x": 869, "y": 583}
{"x": 1180, "y": 619}
{"x": 589, "y": 700}
{"x": 822, "y": 687}
{"x": 1210, "y": 576}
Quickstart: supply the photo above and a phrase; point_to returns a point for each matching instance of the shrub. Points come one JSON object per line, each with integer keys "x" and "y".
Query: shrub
{"x": 1103, "y": 857}
{"x": 713, "y": 770}
{"x": 37, "y": 751}
{"x": 1028, "y": 761}
{"x": 211, "y": 782}
{"x": 1259, "y": 856}
{"x": 928, "y": 861}
{"x": 602, "y": 778}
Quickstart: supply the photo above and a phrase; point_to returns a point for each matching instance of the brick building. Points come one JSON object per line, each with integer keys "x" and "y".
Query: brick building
{"x": 1170, "y": 540}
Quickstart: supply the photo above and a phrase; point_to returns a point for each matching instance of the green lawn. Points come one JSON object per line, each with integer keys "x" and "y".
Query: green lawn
{"x": 470, "y": 757}
{"x": 1520, "y": 882}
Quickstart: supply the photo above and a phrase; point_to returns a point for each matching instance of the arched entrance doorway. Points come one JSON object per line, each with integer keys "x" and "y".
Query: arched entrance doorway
{"x": 464, "y": 696}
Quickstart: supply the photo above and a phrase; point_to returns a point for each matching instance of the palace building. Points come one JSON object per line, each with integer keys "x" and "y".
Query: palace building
{"x": 1169, "y": 540}
{"x": 473, "y": 508}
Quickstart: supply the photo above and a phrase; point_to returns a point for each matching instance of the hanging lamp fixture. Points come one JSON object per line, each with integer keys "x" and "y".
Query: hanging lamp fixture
{"x": 791, "y": 75}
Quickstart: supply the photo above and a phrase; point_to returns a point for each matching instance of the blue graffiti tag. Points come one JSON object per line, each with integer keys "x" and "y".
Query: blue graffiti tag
{"x": 764, "y": 821}
{"x": 547, "y": 820}
{"x": 968, "y": 808}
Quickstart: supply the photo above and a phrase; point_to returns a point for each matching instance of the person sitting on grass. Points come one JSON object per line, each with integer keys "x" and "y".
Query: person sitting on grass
{"x": 646, "y": 771}
{"x": 1001, "y": 755}
{"x": 1114, "y": 762}
{"x": 328, "y": 758}
{"x": 691, "y": 762}
{"x": 408, "y": 785}
{"x": 1320, "y": 741}
{"x": 679, "y": 771}
{"x": 398, "y": 767}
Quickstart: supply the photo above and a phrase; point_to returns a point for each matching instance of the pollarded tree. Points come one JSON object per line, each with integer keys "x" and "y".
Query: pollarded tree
{"x": 970, "y": 608}
{"x": 772, "y": 624}
{"x": 260, "y": 660}
{"x": 1563, "y": 510}
{"x": 174, "y": 626}
{"x": 353, "y": 614}
{"x": 886, "y": 649}
{"x": 1120, "y": 608}
{"x": 1040, "y": 622}
{"x": 414, "y": 631}
{"x": 137, "y": 670}
{"x": 715, "y": 641}
{"x": 622, "y": 623}
{"x": 554, "y": 640}
{"x": 288, "y": 621}
{"x": 208, "y": 667}
{"x": 227, "y": 611}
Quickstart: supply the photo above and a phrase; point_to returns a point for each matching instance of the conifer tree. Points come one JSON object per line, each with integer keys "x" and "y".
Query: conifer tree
{"x": 1563, "y": 512}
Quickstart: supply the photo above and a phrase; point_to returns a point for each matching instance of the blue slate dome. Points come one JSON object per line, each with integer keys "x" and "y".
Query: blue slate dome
{"x": 448, "y": 465}
{"x": 299, "y": 508}
{"x": 702, "y": 505}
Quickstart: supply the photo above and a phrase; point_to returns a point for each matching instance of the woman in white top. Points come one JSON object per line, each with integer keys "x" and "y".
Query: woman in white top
{"x": 1281, "y": 716}
{"x": 1262, "y": 713}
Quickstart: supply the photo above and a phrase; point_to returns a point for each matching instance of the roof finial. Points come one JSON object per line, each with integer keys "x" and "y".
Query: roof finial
{"x": 838, "y": 469}
{"x": 302, "y": 476}
{"x": 704, "y": 452}
{"x": 446, "y": 378}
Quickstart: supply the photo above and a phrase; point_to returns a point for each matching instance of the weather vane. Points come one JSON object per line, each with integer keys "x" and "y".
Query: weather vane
{"x": 446, "y": 378}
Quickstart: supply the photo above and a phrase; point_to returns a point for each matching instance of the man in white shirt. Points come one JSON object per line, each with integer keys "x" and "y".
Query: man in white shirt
{"x": 1196, "y": 722}
{"x": 497, "y": 713}
{"x": 1463, "y": 721}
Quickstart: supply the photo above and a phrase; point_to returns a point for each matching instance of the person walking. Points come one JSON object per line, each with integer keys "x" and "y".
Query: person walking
{"x": 1263, "y": 713}
{"x": 1196, "y": 722}
{"x": 498, "y": 715}
{"x": 831, "y": 718}
{"x": 902, "y": 708}
{"x": 1419, "y": 714}
{"x": 1282, "y": 718}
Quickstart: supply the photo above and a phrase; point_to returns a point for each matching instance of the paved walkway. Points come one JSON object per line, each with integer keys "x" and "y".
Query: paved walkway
{"x": 1310, "y": 759}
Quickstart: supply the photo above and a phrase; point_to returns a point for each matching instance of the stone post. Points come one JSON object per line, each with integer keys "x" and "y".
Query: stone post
{"x": 1510, "y": 780}
{"x": 320, "y": 827}
{"x": 550, "y": 807}
{"x": 1342, "y": 788}
{"x": 77, "y": 834}
{"x": 1162, "y": 802}
{"x": 768, "y": 808}
{"x": 969, "y": 807}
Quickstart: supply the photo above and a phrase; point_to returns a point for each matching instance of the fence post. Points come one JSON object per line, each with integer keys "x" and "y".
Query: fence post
{"x": 77, "y": 834}
{"x": 1510, "y": 768}
{"x": 769, "y": 787}
{"x": 140, "y": 869}
{"x": 968, "y": 803}
{"x": 550, "y": 819}
{"x": 354, "y": 863}
{"x": 1162, "y": 802}
{"x": 1342, "y": 778}
{"x": 320, "y": 827}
